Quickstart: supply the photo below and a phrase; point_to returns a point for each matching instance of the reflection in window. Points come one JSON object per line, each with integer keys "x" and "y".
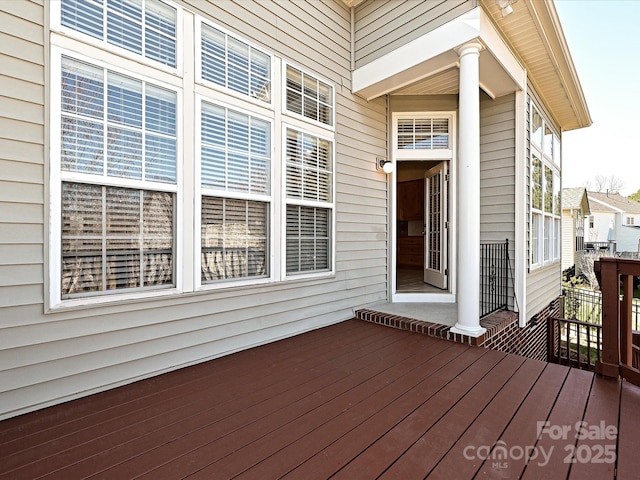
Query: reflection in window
{"x": 233, "y": 64}
{"x": 309, "y": 97}
{"x": 144, "y": 27}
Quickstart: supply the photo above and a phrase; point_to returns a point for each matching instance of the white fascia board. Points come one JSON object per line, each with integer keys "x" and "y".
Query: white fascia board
{"x": 432, "y": 53}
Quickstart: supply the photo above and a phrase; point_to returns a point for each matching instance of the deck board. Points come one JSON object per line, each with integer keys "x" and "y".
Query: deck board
{"x": 600, "y": 417}
{"x": 353, "y": 400}
{"x": 489, "y": 425}
{"x": 628, "y": 454}
{"x": 568, "y": 409}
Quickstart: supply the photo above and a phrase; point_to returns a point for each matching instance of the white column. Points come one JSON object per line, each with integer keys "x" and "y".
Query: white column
{"x": 469, "y": 194}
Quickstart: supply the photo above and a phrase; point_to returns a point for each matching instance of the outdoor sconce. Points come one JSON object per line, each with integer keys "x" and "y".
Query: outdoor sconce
{"x": 506, "y": 7}
{"x": 384, "y": 165}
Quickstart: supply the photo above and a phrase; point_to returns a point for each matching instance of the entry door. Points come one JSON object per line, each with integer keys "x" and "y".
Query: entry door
{"x": 436, "y": 226}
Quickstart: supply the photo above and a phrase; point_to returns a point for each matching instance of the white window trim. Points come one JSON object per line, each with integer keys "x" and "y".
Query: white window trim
{"x": 399, "y": 155}
{"x": 190, "y": 92}
{"x": 555, "y": 241}
{"x": 55, "y": 22}
{"x": 292, "y": 116}
{"x": 57, "y": 176}
{"x": 198, "y": 192}
{"x": 425, "y": 153}
{"x": 307, "y": 203}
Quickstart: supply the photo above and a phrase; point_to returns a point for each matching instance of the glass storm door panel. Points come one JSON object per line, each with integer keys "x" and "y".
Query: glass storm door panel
{"x": 435, "y": 219}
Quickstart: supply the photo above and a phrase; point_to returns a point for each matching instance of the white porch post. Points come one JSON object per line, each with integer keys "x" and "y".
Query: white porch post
{"x": 469, "y": 194}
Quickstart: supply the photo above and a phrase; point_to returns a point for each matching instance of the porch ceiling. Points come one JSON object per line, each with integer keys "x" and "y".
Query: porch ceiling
{"x": 531, "y": 36}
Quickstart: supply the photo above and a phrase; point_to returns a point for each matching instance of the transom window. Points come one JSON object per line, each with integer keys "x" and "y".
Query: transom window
{"x": 308, "y": 96}
{"x": 145, "y": 27}
{"x": 234, "y": 64}
{"x": 422, "y": 134}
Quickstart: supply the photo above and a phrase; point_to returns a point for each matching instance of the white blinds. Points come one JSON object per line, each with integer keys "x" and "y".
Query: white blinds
{"x": 309, "y": 167}
{"x": 234, "y": 235}
{"x": 115, "y": 238}
{"x": 309, "y": 97}
{"x": 135, "y": 125}
{"x": 231, "y": 63}
{"x": 308, "y": 239}
{"x": 145, "y": 27}
{"x": 235, "y": 151}
{"x": 423, "y": 134}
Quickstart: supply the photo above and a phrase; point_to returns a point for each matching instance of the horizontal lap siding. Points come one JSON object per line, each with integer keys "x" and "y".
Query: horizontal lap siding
{"x": 49, "y": 358}
{"x": 497, "y": 173}
{"x": 384, "y": 25}
{"x": 21, "y": 156}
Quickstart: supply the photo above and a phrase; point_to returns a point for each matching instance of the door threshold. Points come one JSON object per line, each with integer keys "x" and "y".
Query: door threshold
{"x": 444, "y": 297}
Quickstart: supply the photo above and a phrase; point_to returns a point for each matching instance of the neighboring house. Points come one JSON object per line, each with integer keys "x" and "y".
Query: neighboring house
{"x": 575, "y": 207}
{"x": 613, "y": 218}
{"x": 184, "y": 179}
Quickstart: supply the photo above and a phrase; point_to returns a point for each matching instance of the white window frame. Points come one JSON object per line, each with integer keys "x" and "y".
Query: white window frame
{"x": 55, "y": 10}
{"x": 226, "y": 90}
{"x": 57, "y": 176}
{"x": 293, "y": 115}
{"x": 190, "y": 92}
{"x": 200, "y": 191}
{"x": 545, "y": 246}
{"x": 331, "y": 206}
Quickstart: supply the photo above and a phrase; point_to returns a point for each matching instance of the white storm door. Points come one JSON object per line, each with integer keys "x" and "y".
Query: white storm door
{"x": 436, "y": 226}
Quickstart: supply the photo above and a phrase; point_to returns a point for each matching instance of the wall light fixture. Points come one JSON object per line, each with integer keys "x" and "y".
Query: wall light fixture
{"x": 384, "y": 165}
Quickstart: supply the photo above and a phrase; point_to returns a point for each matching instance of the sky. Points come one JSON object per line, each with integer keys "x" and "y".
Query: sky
{"x": 604, "y": 41}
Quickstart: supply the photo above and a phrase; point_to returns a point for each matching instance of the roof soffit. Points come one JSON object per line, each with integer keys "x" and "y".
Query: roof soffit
{"x": 533, "y": 37}
{"x": 429, "y": 64}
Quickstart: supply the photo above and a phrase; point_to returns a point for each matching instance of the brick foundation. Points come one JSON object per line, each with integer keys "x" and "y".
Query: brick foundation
{"x": 503, "y": 333}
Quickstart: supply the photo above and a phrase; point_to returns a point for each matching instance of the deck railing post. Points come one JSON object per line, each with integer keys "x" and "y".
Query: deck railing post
{"x": 607, "y": 272}
{"x": 626, "y": 337}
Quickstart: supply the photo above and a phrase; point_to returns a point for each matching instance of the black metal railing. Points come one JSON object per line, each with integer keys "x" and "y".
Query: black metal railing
{"x": 494, "y": 277}
{"x": 574, "y": 343}
{"x": 586, "y": 306}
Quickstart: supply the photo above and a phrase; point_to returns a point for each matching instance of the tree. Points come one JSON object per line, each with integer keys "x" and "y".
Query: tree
{"x": 604, "y": 183}
{"x": 635, "y": 196}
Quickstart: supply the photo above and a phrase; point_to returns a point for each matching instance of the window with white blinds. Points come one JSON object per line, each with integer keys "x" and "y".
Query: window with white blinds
{"x": 422, "y": 134}
{"x": 115, "y": 128}
{"x": 308, "y": 96}
{"x": 234, "y": 64}
{"x": 309, "y": 193}
{"x": 121, "y": 208}
{"x": 235, "y": 150}
{"x": 235, "y": 165}
{"x": 144, "y": 27}
{"x": 115, "y": 238}
{"x": 544, "y": 183}
{"x": 234, "y": 239}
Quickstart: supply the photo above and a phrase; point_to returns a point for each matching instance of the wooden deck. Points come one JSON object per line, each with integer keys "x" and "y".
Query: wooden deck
{"x": 351, "y": 401}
